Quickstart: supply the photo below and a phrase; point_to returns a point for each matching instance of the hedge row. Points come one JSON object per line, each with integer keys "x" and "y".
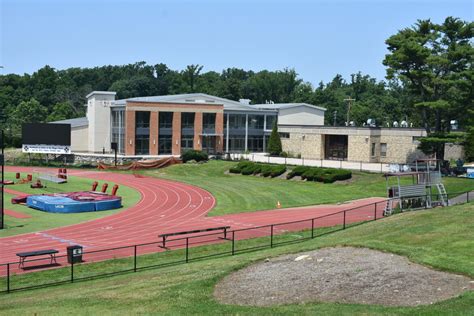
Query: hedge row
{"x": 325, "y": 175}
{"x": 252, "y": 168}
{"x": 195, "y": 155}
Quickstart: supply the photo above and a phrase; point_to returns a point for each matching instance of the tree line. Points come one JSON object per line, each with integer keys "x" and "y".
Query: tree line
{"x": 429, "y": 83}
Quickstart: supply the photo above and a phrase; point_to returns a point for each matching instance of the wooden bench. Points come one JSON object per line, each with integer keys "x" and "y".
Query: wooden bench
{"x": 165, "y": 236}
{"x": 23, "y": 255}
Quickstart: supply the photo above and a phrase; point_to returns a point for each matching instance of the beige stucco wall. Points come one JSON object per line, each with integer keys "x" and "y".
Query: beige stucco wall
{"x": 79, "y": 139}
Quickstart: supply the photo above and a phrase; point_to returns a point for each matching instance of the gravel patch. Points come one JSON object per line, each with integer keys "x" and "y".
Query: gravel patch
{"x": 342, "y": 275}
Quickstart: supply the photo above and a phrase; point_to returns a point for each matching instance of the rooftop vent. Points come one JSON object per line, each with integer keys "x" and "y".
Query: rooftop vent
{"x": 245, "y": 101}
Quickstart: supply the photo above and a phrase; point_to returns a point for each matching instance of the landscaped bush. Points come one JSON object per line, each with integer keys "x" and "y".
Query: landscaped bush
{"x": 196, "y": 155}
{"x": 252, "y": 168}
{"x": 325, "y": 175}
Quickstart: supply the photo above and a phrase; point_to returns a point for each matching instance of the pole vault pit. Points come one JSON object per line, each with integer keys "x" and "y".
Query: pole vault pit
{"x": 335, "y": 147}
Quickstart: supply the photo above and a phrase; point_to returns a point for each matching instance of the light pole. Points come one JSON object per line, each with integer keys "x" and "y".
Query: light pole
{"x": 2, "y": 163}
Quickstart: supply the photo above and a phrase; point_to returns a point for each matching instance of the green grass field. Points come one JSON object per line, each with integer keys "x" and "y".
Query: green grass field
{"x": 440, "y": 238}
{"x": 238, "y": 193}
{"x": 43, "y": 220}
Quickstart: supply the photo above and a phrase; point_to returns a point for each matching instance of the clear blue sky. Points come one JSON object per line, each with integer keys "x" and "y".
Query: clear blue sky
{"x": 317, "y": 38}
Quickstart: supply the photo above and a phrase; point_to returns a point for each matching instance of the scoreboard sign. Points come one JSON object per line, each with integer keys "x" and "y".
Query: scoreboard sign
{"x": 43, "y": 138}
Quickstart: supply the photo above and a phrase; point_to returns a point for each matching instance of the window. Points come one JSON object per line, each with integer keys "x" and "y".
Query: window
{"x": 187, "y": 143}
{"x": 284, "y": 135}
{"x": 256, "y": 121}
{"x": 165, "y": 119}
{"x": 383, "y": 149}
{"x": 142, "y": 145}
{"x": 270, "y": 121}
{"x": 164, "y": 144}
{"x": 142, "y": 120}
{"x": 237, "y": 120}
{"x": 209, "y": 120}
{"x": 187, "y": 120}
{"x": 373, "y": 150}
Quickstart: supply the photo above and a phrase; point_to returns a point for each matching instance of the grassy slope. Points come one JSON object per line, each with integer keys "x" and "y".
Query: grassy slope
{"x": 237, "y": 193}
{"x": 43, "y": 220}
{"x": 442, "y": 238}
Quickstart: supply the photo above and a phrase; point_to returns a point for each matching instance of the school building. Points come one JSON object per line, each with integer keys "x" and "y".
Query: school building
{"x": 171, "y": 124}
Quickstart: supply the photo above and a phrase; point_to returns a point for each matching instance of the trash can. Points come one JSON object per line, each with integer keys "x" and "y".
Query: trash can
{"x": 74, "y": 254}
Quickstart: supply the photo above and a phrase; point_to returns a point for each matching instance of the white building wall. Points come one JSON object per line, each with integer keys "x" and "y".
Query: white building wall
{"x": 301, "y": 115}
{"x": 79, "y": 139}
{"x": 98, "y": 115}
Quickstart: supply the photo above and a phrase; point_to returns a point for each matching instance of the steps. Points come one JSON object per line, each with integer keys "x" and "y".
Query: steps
{"x": 443, "y": 196}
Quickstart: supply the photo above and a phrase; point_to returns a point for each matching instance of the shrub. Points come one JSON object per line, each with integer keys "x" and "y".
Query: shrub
{"x": 277, "y": 170}
{"x": 196, "y": 155}
{"x": 297, "y": 171}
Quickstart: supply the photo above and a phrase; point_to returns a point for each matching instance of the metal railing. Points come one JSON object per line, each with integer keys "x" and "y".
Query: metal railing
{"x": 128, "y": 259}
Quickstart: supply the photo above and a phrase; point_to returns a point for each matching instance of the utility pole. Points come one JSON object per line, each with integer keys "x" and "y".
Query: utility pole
{"x": 335, "y": 117}
{"x": 349, "y": 101}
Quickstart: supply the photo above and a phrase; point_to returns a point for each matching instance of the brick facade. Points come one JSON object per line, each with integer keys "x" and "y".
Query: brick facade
{"x": 197, "y": 131}
{"x": 130, "y": 133}
{"x": 154, "y": 133}
{"x": 220, "y": 131}
{"x": 176, "y": 142}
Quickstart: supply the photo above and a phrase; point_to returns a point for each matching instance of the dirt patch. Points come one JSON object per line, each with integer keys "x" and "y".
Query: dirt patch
{"x": 343, "y": 275}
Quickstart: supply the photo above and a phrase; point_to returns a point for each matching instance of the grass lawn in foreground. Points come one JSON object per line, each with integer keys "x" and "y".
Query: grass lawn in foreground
{"x": 43, "y": 220}
{"x": 442, "y": 238}
{"x": 239, "y": 193}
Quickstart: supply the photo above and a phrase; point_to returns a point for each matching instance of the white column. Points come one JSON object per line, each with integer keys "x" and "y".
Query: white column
{"x": 246, "y": 131}
{"x": 227, "y": 135}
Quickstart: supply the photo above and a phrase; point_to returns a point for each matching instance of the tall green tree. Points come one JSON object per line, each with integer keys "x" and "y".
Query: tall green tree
{"x": 274, "y": 142}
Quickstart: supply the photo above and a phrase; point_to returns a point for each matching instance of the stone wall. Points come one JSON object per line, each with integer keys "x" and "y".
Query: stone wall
{"x": 400, "y": 149}
{"x": 309, "y": 146}
{"x": 453, "y": 151}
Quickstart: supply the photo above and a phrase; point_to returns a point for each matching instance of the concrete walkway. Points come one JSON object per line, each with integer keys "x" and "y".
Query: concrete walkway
{"x": 463, "y": 198}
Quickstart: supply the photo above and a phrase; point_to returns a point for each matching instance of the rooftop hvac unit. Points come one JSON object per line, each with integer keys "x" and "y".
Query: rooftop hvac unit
{"x": 454, "y": 125}
{"x": 395, "y": 124}
{"x": 404, "y": 124}
{"x": 371, "y": 122}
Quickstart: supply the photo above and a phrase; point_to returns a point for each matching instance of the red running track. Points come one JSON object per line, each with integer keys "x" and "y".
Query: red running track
{"x": 168, "y": 206}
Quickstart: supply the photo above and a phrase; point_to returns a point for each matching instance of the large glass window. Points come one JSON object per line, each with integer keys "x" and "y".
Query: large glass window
{"x": 255, "y": 143}
{"x": 187, "y": 143}
{"x": 142, "y": 145}
{"x": 187, "y": 120}
{"x": 237, "y": 121}
{"x": 209, "y": 120}
{"x": 237, "y": 144}
{"x": 165, "y": 119}
{"x": 142, "y": 133}
{"x": 165, "y": 143}
{"x": 142, "y": 120}
{"x": 256, "y": 121}
{"x": 271, "y": 119}
{"x": 118, "y": 129}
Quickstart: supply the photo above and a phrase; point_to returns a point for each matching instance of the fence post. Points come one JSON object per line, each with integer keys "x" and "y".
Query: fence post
{"x": 468, "y": 196}
{"x": 344, "y": 224}
{"x": 285, "y": 161}
{"x": 312, "y": 228}
{"x": 340, "y": 164}
{"x": 360, "y": 165}
{"x": 135, "y": 258}
{"x": 8, "y": 278}
{"x": 271, "y": 236}
{"x": 321, "y": 163}
{"x": 233, "y": 242}
{"x": 375, "y": 211}
{"x": 72, "y": 270}
{"x": 187, "y": 249}
{"x": 381, "y": 168}
{"x": 269, "y": 159}
{"x": 302, "y": 161}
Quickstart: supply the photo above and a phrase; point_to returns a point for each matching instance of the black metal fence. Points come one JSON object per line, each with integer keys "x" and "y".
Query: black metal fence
{"x": 128, "y": 259}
